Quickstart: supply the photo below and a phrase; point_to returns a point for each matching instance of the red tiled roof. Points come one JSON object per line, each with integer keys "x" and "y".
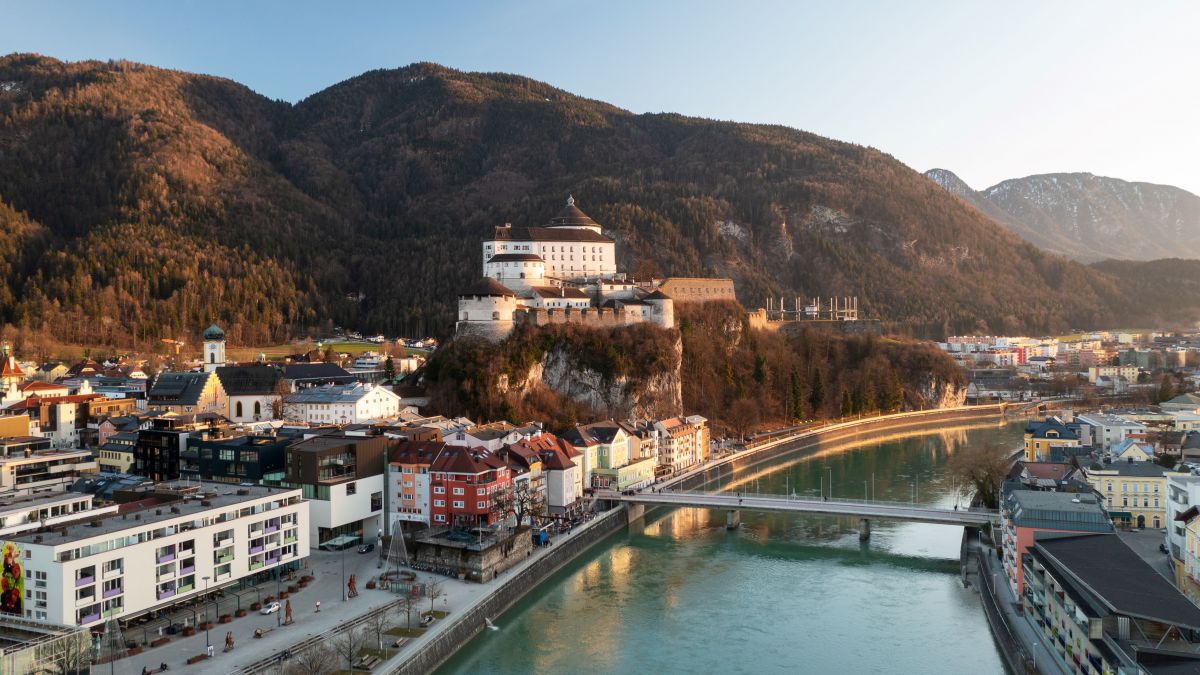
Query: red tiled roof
{"x": 38, "y": 385}
{"x": 11, "y": 369}
{"x": 36, "y": 401}
{"x": 1054, "y": 471}
{"x": 460, "y": 459}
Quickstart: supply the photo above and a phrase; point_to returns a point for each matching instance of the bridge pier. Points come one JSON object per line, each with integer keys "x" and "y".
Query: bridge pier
{"x": 864, "y": 529}
{"x": 733, "y": 519}
{"x": 634, "y": 512}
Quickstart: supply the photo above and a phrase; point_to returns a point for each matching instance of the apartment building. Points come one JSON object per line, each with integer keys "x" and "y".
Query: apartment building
{"x": 28, "y": 465}
{"x": 343, "y": 477}
{"x": 129, "y": 564}
{"x": 408, "y": 484}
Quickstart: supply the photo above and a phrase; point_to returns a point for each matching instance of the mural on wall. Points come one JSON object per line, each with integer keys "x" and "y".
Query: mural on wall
{"x": 12, "y": 583}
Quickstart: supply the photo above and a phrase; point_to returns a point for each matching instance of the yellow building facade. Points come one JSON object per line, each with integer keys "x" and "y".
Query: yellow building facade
{"x": 1135, "y": 494}
{"x": 1049, "y": 433}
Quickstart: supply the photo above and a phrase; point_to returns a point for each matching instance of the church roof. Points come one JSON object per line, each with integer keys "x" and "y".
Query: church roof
{"x": 571, "y": 216}
{"x": 487, "y": 286}
{"x": 256, "y": 380}
{"x": 657, "y": 295}
{"x": 214, "y": 332}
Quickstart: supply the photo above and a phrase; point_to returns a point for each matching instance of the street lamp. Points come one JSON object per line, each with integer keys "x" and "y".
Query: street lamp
{"x": 343, "y": 571}
{"x": 207, "y": 644}
{"x": 830, "y": 481}
{"x": 278, "y": 588}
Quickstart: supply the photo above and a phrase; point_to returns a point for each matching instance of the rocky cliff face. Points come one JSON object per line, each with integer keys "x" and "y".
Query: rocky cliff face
{"x": 939, "y": 393}
{"x": 635, "y": 396}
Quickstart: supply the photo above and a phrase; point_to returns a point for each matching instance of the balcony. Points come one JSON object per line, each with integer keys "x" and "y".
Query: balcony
{"x": 85, "y": 601}
{"x": 84, "y": 581}
{"x": 188, "y": 569}
{"x": 271, "y": 528}
{"x": 256, "y": 549}
{"x": 289, "y": 538}
{"x": 89, "y": 618}
{"x": 163, "y": 595}
{"x": 112, "y": 592}
{"x": 272, "y": 560}
{"x": 110, "y": 613}
{"x": 222, "y": 559}
{"x": 109, "y": 574}
{"x": 184, "y": 588}
{"x": 166, "y": 557}
{"x": 255, "y": 566}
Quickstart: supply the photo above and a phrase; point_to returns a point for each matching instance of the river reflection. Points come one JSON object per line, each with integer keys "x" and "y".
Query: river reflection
{"x": 783, "y": 593}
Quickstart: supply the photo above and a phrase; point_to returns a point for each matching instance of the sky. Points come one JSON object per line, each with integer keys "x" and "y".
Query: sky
{"x": 989, "y": 90}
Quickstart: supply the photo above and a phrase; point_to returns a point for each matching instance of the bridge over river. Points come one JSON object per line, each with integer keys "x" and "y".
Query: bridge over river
{"x": 734, "y": 503}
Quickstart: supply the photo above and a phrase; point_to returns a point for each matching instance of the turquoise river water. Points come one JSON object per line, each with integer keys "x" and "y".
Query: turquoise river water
{"x": 782, "y": 594}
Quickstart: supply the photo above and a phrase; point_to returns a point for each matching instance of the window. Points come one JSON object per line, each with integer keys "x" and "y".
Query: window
{"x": 351, "y": 489}
{"x": 376, "y": 501}
{"x": 226, "y": 455}
{"x": 458, "y": 504}
{"x": 481, "y": 505}
{"x": 441, "y": 518}
{"x": 439, "y": 490}
{"x": 458, "y": 491}
{"x": 480, "y": 492}
{"x": 439, "y": 502}
{"x": 239, "y": 409}
{"x": 257, "y": 408}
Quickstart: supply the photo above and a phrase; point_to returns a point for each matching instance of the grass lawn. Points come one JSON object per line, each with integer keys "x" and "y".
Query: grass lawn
{"x": 406, "y": 632}
{"x": 384, "y": 653}
{"x": 243, "y": 354}
{"x": 438, "y": 614}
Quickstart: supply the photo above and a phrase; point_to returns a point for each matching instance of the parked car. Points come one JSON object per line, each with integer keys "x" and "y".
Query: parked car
{"x": 269, "y": 608}
{"x": 366, "y": 548}
{"x": 1164, "y": 549}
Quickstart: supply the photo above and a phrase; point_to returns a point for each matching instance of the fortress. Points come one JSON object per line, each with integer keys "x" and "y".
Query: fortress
{"x": 566, "y": 272}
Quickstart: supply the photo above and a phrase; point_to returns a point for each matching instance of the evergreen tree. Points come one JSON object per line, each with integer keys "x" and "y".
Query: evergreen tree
{"x": 816, "y": 392}
{"x": 389, "y": 369}
{"x": 1166, "y": 388}
{"x": 797, "y": 397}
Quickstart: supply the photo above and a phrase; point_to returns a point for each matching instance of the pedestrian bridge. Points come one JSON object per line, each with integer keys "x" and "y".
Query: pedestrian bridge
{"x": 863, "y": 510}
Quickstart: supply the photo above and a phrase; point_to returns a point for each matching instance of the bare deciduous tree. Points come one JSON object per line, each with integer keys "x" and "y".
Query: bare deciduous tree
{"x": 349, "y": 643}
{"x": 377, "y": 624}
{"x": 436, "y": 591}
{"x": 68, "y": 655}
{"x": 319, "y": 659}
{"x": 979, "y": 470}
{"x": 408, "y": 603}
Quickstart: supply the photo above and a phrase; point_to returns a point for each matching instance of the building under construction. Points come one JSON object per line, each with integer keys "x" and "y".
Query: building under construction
{"x": 818, "y": 309}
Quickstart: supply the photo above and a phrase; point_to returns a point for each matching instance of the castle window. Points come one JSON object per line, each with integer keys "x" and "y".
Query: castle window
{"x": 257, "y": 408}
{"x": 239, "y": 409}
{"x": 212, "y": 357}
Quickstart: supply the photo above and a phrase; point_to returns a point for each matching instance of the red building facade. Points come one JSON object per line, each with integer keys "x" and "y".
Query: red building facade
{"x": 469, "y": 487}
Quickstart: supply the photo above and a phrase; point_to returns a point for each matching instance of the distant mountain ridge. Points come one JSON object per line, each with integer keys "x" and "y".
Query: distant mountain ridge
{"x": 1089, "y": 217}
{"x": 138, "y": 203}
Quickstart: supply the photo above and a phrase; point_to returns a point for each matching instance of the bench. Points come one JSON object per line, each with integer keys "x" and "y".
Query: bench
{"x": 369, "y": 662}
{"x": 197, "y": 659}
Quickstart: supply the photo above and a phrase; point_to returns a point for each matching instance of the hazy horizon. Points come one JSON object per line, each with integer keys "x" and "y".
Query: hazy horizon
{"x": 988, "y": 92}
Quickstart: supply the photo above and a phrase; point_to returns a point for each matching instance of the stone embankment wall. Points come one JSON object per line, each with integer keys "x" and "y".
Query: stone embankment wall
{"x": 468, "y": 623}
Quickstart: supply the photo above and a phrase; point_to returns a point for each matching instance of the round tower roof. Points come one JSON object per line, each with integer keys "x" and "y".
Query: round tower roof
{"x": 571, "y": 216}
{"x": 214, "y": 332}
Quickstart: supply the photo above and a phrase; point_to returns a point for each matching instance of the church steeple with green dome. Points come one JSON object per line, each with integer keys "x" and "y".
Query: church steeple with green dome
{"x": 214, "y": 348}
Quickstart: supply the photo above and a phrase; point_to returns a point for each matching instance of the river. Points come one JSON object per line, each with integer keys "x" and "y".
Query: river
{"x": 783, "y": 593}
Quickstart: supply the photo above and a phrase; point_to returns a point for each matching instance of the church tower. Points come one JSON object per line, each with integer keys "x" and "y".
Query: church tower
{"x": 214, "y": 348}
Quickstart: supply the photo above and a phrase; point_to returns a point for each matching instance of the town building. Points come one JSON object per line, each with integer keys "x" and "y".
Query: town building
{"x": 564, "y": 482}
{"x": 299, "y": 376}
{"x": 408, "y": 485}
{"x": 1134, "y": 492}
{"x": 119, "y": 453}
{"x": 251, "y": 458}
{"x": 127, "y": 565}
{"x": 1187, "y": 403}
{"x": 1129, "y": 373}
{"x": 28, "y": 465}
{"x": 341, "y": 404}
{"x": 528, "y": 482}
{"x": 188, "y": 393}
{"x": 1131, "y": 450}
{"x": 470, "y": 487}
{"x": 22, "y": 513}
{"x": 683, "y": 442}
{"x": 342, "y": 476}
{"x": 1078, "y": 590}
{"x": 252, "y": 390}
{"x": 1109, "y": 430}
{"x": 491, "y": 436}
{"x": 157, "y": 454}
{"x": 1052, "y": 432}
{"x": 1024, "y": 513}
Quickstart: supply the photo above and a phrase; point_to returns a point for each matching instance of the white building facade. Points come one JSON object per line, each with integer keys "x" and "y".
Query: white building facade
{"x": 343, "y": 404}
{"x": 124, "y": 566}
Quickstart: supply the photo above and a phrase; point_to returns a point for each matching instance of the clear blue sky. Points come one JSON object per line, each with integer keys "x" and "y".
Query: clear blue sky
{"x": 990, "y": 90}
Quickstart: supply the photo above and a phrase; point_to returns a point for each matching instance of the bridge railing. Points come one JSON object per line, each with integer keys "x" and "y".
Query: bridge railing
{"x": 794, "y": 497}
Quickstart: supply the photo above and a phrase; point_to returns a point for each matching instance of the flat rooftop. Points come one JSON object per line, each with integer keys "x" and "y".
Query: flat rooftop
{"x": 218, "y": 495}
{"x": 40, "y": 499}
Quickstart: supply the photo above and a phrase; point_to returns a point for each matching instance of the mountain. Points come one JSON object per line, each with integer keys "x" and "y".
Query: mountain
{"x": 143, "y": 203}
{"x": 1088, "y": 217}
